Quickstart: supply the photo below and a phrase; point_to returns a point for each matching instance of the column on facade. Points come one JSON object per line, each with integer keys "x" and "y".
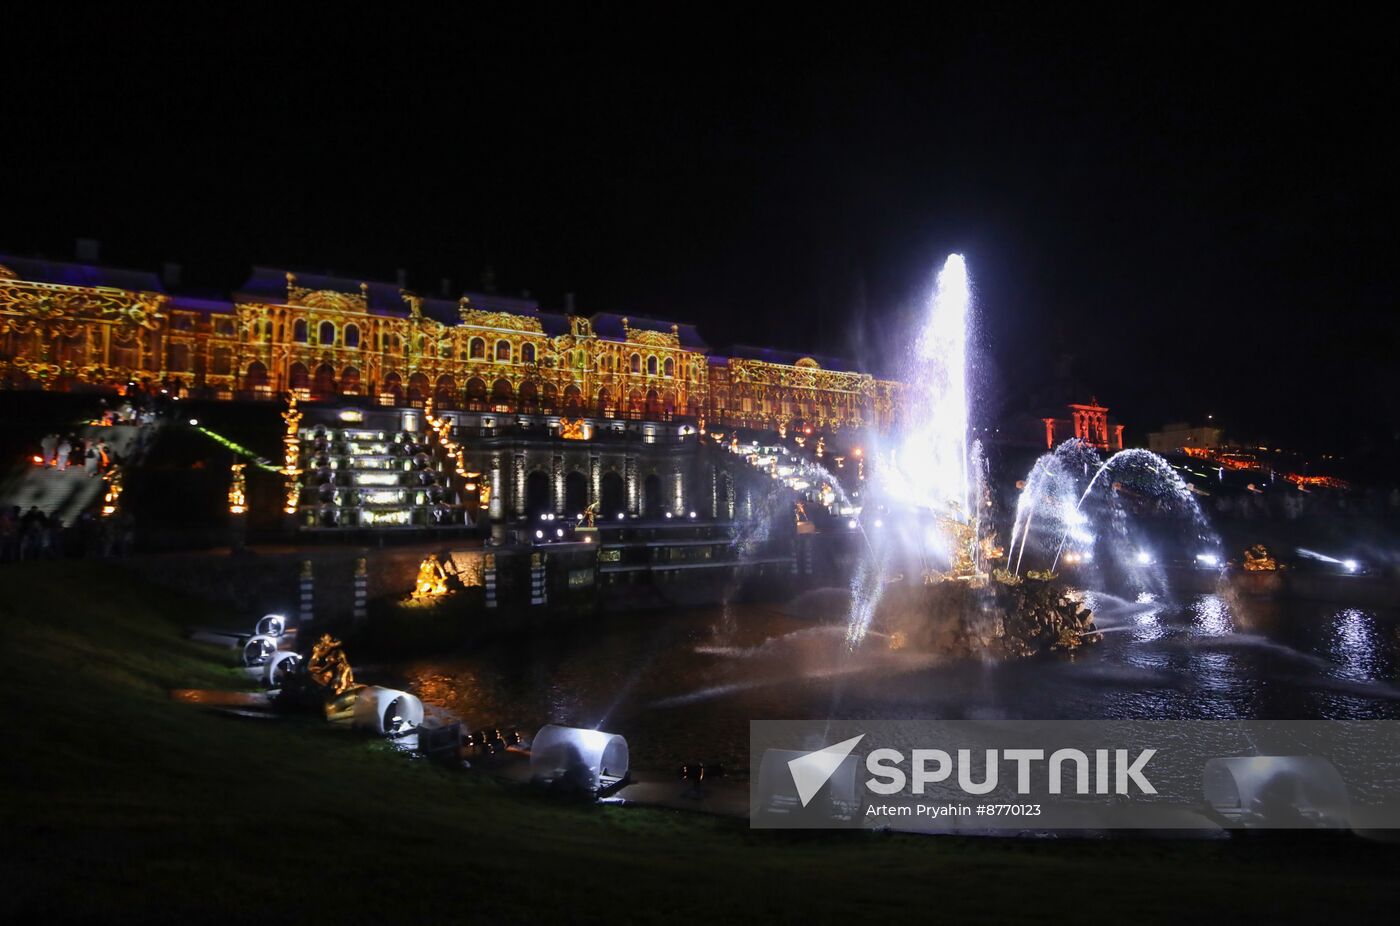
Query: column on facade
{"x": 630, "y": 474}
{"x": 556, "y": 481}
{"x": 678, "y": 492}
{"x": 595, "y": 479}
{"x": 518, "y": 483}
{"x": 497, "y": 507}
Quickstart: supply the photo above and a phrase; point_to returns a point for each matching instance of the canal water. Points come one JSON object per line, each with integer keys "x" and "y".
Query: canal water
{"x": 682, "y": 685}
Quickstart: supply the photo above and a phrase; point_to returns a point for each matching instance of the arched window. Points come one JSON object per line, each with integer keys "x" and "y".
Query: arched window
{"x": 323, "y": 386}
{"x": 326, "y": 333}
{"x": 636, "y": 363}
{"x": 299, "y": 330}
{"x": 503, "y": 351}
{"x": 446, "y": 394}
{"x": 476, "y": 350}
{"x": 352, "y": 335}
{"x": 651, "y": 366}
{"x": 527, "y": 353}
{"x": 393, "y": 385}
{"x": 417, "y": 387}
{"x": 502, "y": 396}
{"x": 476, "y": 394}
{"x": 670, "y": 367}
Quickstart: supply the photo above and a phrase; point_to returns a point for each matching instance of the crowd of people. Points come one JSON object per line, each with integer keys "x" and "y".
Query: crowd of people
{"x": 31, "y": 535}
{"x": 27, "y": 535}
{"x": 68, "y": 452}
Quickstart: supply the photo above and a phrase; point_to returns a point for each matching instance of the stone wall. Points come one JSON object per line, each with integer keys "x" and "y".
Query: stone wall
{"x": 268, "y": 580}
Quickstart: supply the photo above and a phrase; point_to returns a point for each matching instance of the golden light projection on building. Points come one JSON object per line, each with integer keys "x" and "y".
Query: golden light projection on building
{"x": 238, "y": 490}
{"x": 321, "y": 338}
{"x": 61, "y": 336}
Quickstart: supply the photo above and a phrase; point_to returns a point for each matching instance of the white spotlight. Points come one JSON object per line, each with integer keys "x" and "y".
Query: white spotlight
{"x": 1143, "y": 557}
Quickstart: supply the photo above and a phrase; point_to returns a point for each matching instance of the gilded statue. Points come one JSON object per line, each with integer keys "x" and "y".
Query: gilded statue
{"x": 1258, "y": 559}
{"x": 329, "y": 667}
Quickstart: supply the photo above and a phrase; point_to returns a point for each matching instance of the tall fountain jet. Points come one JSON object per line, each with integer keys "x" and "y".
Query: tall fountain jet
{"x": 928, "y": 468}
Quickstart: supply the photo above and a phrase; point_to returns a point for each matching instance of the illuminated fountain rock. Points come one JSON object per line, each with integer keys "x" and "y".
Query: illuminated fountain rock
{"x": 1006, "y": 618}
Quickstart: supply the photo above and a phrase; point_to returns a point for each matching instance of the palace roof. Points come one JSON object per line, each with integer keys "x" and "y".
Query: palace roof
{"x": 65, "y": 273}
{"x": 269, "y": 284}
{"x": 790, "y": 358}
{"x": 610, "y": 325}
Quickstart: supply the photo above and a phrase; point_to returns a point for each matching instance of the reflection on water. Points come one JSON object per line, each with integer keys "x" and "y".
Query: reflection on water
{"x": 682, "y": 686}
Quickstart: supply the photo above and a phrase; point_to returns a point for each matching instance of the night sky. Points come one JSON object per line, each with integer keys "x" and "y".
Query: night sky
{"x": 1181, "y": 213}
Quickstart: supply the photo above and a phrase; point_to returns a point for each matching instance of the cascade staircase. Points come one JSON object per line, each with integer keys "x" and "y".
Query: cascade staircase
{"x": 355, "y": 478}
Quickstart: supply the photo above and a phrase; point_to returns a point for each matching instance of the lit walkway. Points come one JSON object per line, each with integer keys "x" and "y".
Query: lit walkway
{"x": 70, "y": 492}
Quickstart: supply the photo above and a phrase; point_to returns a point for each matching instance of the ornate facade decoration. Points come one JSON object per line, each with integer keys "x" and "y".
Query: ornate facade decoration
{"x": 645, "y": 336}
{"x": 321, "y": 344}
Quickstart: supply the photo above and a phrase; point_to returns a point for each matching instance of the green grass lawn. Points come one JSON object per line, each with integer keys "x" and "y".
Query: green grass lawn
{"x": 120, "y": 804}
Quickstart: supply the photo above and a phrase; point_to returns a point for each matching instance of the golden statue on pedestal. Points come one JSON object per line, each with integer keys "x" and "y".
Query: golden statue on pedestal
{"x": 329, "y": 667}
{"x": 432, "y": 579}
{"x": 1258, "y": 559}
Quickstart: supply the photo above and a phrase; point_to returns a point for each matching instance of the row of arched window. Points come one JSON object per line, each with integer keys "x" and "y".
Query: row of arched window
{"x": 325, "y": 381}
{"x": 653, "y": 366}
{"x": 476, "y": 350}
{"x": 326, "y": 333}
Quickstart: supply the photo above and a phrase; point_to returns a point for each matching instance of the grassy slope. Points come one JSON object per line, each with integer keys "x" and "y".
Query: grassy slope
{"x": 118, "y": 803}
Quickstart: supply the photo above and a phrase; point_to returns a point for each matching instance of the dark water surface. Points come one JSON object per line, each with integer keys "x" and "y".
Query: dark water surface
{"x": 682, "y": 686}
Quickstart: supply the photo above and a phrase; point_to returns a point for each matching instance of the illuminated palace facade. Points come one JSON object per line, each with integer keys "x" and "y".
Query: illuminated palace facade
{"x": 72, "y": 326}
